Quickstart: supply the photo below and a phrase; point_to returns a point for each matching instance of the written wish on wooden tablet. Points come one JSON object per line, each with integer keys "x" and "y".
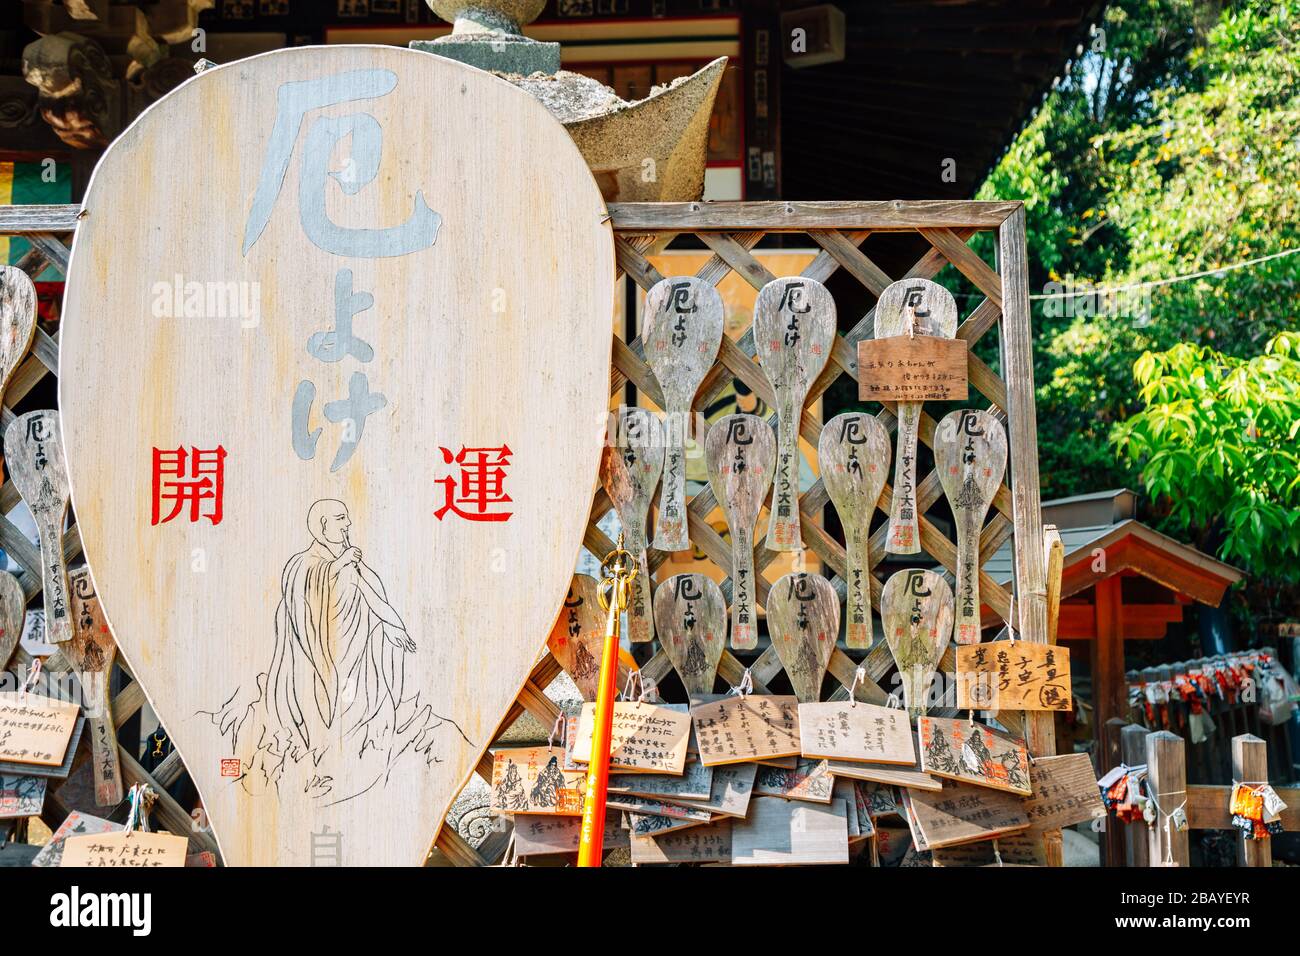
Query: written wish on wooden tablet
{"x": 919, "y": 368}
{"x": 737, "y": 728}
{"x": 856, "y": 731}
{"x": 1013, "y": 675}
{"x": 533, "y": 780}
{"x": 645, "y": 738}
{"x": 34, "y": 729}
{"x": 125, "y": 849}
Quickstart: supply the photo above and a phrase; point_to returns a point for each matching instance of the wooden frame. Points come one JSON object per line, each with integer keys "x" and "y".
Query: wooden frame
{"x": 729, "y": 231}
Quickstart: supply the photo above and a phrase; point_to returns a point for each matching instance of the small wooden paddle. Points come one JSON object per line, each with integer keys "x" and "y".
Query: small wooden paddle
{"x": 970, "y": 453}
{"x": 794, "y": 329}
{"x": 13, "y": 613}
{"x": 911, "y": 307}
{"x": 691, "y": 621}
{"x": 17, "y": 320}
{"x": 853, "y": 453}
{"x": 916, "y": 609}
{"x": 92, "y": 651}
{"x": 629, "y": 470}
{"x": 803, "y": 615}
{"x": 740, "y": 452}
{"x": 34, "y": 451}
{"x": 683, "y": 330}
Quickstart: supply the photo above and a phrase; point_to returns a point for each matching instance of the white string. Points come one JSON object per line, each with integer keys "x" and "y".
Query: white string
{"x": 859, "y": 677}
{"x": 561, "y": 726}
{"x": 1168, "y": 818}
{"x": 32, "y": 675}
{"x": 996, "y": 855}
{"x": 746, "y": 685}
{"x": 648, "y": 687}
{"x": 1154, "y": 283}
{"x": 894, "y": 702}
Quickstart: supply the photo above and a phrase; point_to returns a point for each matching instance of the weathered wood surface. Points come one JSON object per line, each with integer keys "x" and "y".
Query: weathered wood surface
{"x": 34, "y": 454}
{"x": 630, "y": 467}
{"x": 1014, "y": 675}
{"x": 704, "y": 844}
{"x": 92, "y": 652}
{"x": 274, "y": 216}
{"x": 1167, "y": 784}
{"x": 731, "y": 789}
{"x": 886, "y": 216}
{"x": 853, "y": 455}
{"x": 691, "y": 621}
{"x": 922, "y": 368}
{"x": 694, "y": 783}
{"x": 683, "y": 329}
{"x": 794, "y": 331}
{"x": 912, "y": 777}
{"x": 13, "y": 610}
{"x": 738, "y": 728}
{"x": 24, "y": 220}
{"x": 916, "y": 613}
{"x": 803, "y": 617}
{"x": 962, "y": 813}
{"x": 789, "y": 832}
{"x": 852, "y": 730}
{"x": 740, "y": 453}
{"x": 808, "y": 780}
{"x": 910, "y": 307}
{"x": 974, "y": 753}
{"x": 17, "y": 321}
{"x": 970, "y": 456}
{"x": 578, "y": 637}
{"x": 1250, "y": 765}
{"x": 1065, "y": 792}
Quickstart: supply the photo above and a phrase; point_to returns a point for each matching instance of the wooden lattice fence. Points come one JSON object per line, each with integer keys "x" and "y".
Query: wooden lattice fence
{"x": 730, "y": 231}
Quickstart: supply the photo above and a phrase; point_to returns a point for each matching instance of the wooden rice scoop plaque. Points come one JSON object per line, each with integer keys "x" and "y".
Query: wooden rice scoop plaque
{"x": 17, "y": 320}
{"x": 970, "y": 455}
{"x": 92, "y": 651}
{"x": 794, "y": 330}
{"x": 911, "y": 307}
{"x": 853, "y": 455}
{"x": 740, "y": 452}
{"x": 691, "y": 620}
{"x": 973, "y": 753}
{"x": 578, "y": 638}
{"x": 1014, "y": 675}
{"x": 803, "y": 614}
{"x": 683, "y": 330}
{"x": 335, "y": 542}
{"x": 13, "y": 612}
{"x": 629, "y": 470}
{"x": 34, "y": 454}
{"x": 916, "y": 610}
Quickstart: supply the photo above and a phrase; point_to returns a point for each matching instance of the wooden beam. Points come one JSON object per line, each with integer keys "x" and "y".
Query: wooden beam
{"x": 1109, "y": 689}
{"x": 1208, "y": 807}
{"x": 883, "y": 216}
{"x": 1133, "y": 751}
{"x": 1167, "y": 779}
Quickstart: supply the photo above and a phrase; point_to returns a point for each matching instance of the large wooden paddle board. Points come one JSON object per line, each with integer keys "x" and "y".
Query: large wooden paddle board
{"x": 335, "y": 338}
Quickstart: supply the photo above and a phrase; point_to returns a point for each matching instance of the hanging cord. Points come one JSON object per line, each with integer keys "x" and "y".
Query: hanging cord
{"x": 859, "y": 677}
{"x": 142, "y": 799}
{"x": 746, "y": 685}
{"x": 634, "y": 679}
{"x": 894, "y": 702}
{"x": 561, "y": 727}
{"x": 32, "y": 675}
{"x": 1167, "y": 823}
{"x": 996, "y": 855}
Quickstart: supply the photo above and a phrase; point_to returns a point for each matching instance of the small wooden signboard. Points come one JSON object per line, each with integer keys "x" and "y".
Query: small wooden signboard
{"x": 733, "y": 785}
{"x": 794, "y": 331}
{"x": 1023, "y": 848}
{"x": 646, "y": 824}
{"x": 918, "y": 369}
{"x": 645, "y": 738}
{"x": 703, "y": 844}
{"x": 803, "y": 616}
{"x": 21, "y": 796}
{"x": 740, "y": 728}
{"x": 538, "y": 835}
{"x": 886, "y": 774}
{"x": 810, "y": 780}
{"x": 974, "y": 753}
{"x": 533, "y": 780}
{"x": 853, "y": 730}
{"x": 961, "y": 813}
{"x": 970, "y": 457}
{"x": 125, "y": 849}
{"x": 740, "y": 452}
{"x": 1014, "y": 675}
{"x": 683, "y": 330}
{"x": 659, "y": 808}
{"x": 695, "y": 783}
{"x": 630, "y": 466}
{"x": 34, "y": 729}
{"x": 787, "y": 833}
{"x": 916, "y": 609}
{"x": 853, "y": 455}
{"x": 1065, "y": 792}
{"x": 75, "y": 823}
{"x": 691, "y": 621}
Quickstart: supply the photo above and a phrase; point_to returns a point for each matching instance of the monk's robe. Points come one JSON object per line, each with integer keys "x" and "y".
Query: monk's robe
{"x": 334, "y": 676}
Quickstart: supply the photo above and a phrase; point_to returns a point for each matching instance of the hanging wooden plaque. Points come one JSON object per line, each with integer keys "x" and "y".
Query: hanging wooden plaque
{"x": 732, "y": 787}
{"x": 533, "y": 780}
{"x": 646, "y": 738}
{"x": 853, "y": 455}
{"x": 810, "y": 780}
{"x": 651, "y": 806}
{"x": 691, "y": 621}
{"x": 683, "y": 330}
{"x": 694, "y": 783}
{"x": 916, "y": 611}
{"x": 538, "y": 835}
{"x": 34, "y": 729}
{"x": 630, "y": 467}
{"x": 1065, "y": 792}
{"x": 703, "y": 844}
{"x": 740, "y": 452}
{"x": 333, "y": 439}
{"x": 1023, "y": 848}
{"x": 970, "y": 456}
{"x": 648, "y": 824}
{"x": 1014, "y": 675}
{"x": 92, "y": 651}
{"x": 911, "y": 307}
{"x": 973, "y": 753}
{"x": 133, "y": 849}
{"x": 890, "y": 775}
{"x": 21, "y": 796}
{"x": 919, "y": 369}
{"x": 961, "y": 813}
{"x": 794, "y": 330}
{"x": 803, "y": 616}
{"x": 739, "y": 728}
{"x": 845, "y": 730}
{"x": 578, "y": 637}
{"x": 789, "y": 833}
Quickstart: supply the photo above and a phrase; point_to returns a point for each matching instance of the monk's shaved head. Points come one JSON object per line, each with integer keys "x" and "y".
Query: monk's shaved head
{"x": 328, "y": 521}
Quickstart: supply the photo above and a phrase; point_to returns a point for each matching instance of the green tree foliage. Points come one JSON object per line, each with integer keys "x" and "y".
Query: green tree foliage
{"x": 1171, "y": 147}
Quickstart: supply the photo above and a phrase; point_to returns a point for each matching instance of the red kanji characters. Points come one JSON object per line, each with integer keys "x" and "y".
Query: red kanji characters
{"x": 200, "y": 477}
{"x": 482, "y": 473}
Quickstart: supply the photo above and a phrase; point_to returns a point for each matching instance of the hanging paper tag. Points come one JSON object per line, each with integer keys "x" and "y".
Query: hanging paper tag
{"x": 35, "y": 729}
{"x": 128, "y": 848}
{"x": 533, "y": 780}
{"x": 736, "y": 729}
{"x": 1179, "y": 819}
{"x": 1112, "y": 777}
{"x": 646, "y": 738}
{"x": 1273, "y": 804}
{"x": 865, "y": 732}
{"x": 1019, "y": 675}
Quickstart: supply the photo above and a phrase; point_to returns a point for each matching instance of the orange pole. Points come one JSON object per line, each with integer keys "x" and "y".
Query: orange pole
{"x": 593, "y": 804}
